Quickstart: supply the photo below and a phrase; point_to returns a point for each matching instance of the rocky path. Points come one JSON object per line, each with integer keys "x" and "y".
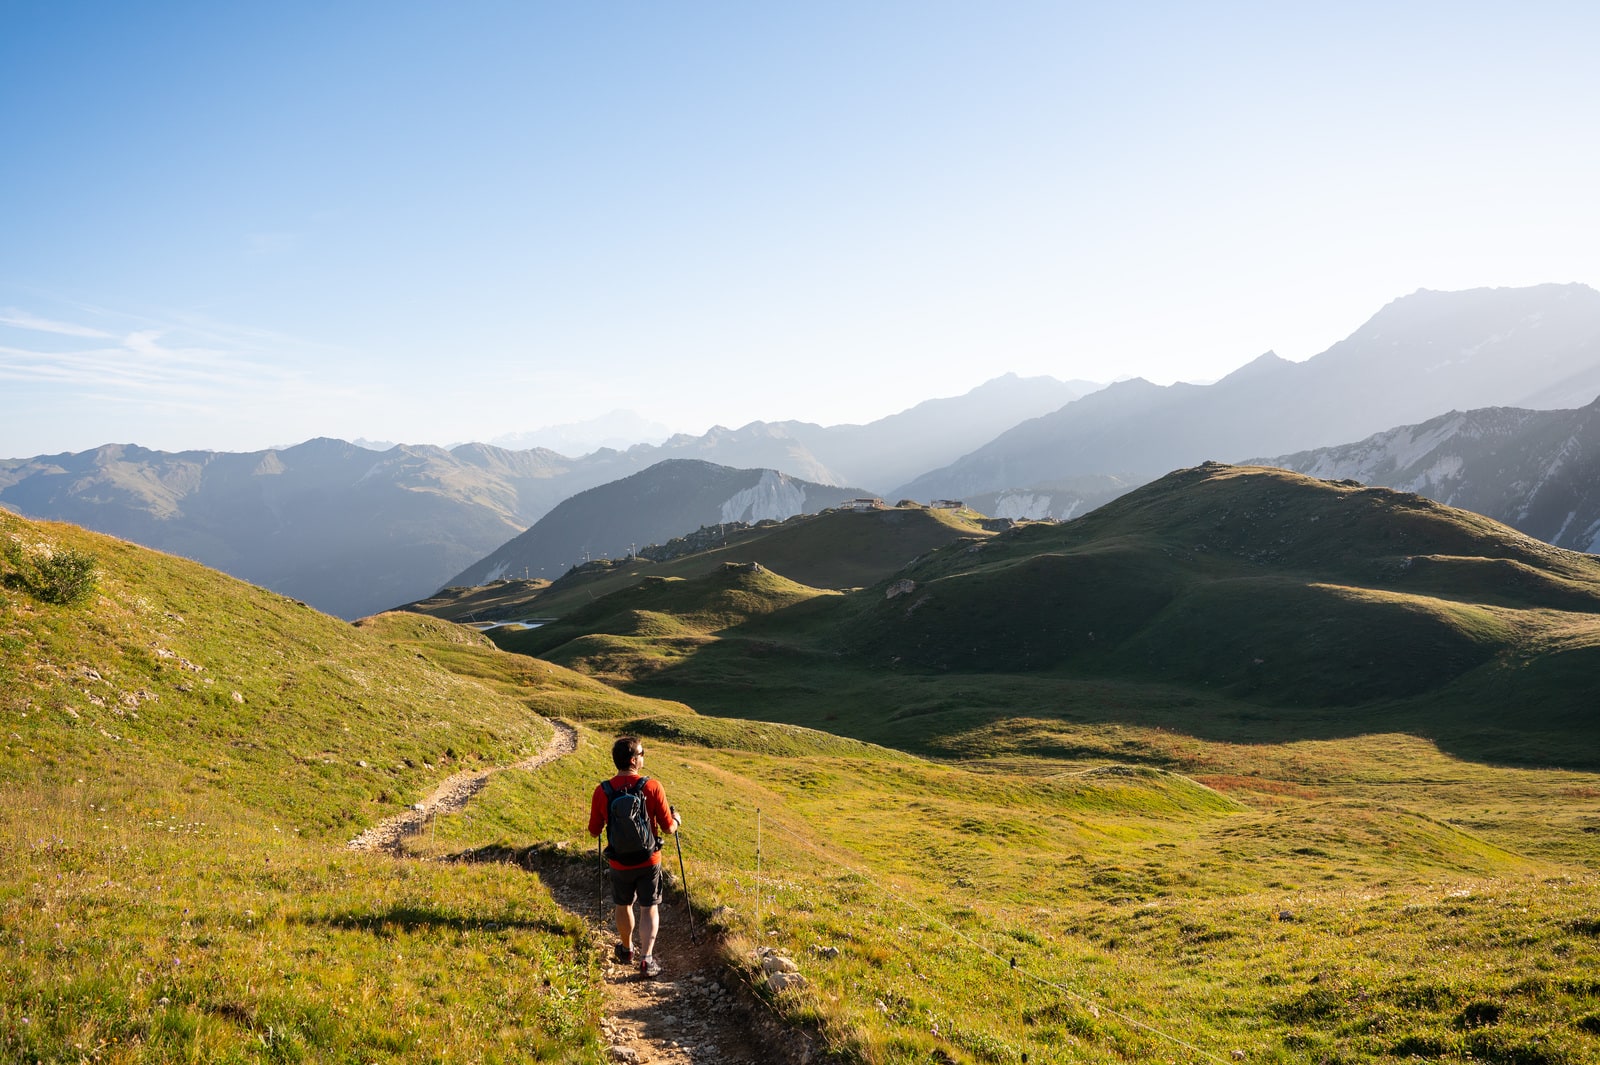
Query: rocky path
{"x": 689, "y": 1015}
{"x": 686, "y": 1016}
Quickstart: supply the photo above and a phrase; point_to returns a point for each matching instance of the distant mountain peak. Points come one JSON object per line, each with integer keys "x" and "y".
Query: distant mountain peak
{"x": 1266, "y": 363}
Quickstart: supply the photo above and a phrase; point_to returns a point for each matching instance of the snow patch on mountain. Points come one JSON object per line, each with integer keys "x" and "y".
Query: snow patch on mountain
{"x": 1020, "y": 506}
{"x": 1447, "y": 468}
{"x": 773, "y": 496}
{"x": 1571, "y": 514}
{"x": 1035, "y": 506}
{"x": 1592, "y": 534}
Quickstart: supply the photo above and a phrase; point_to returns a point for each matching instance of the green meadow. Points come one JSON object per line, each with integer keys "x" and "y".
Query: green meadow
{"x": 978, "y": 844}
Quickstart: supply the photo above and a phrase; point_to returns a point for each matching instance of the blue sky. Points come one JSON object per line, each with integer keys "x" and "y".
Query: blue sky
{"x": 238, "y": 225}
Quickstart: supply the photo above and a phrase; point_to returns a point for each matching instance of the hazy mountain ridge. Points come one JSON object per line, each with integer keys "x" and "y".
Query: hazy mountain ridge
{"x": 892, "y": 450}
{"x": 1537, "y": 471}
{"x": 671, "y": 498}
{"x": 617, "y": 430}
{"x": 347, "y": 529}
{"x": 1420, "y": 354}
{"x": 353, "y": 531}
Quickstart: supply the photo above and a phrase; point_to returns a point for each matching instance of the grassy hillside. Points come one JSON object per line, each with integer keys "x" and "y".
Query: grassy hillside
{"x": 1299, "y": 903}
{"x": 1294, "y": 606}
{"x": 184, "y": 756}
{"x": 497, "y": 600}
{"x": 833, "y": 550}
{"x": 967, "y": 866}
{"x": 1271, "y": 584}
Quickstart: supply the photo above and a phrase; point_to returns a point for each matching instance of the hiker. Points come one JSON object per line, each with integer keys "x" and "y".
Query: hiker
{"x": 633, "y": 810}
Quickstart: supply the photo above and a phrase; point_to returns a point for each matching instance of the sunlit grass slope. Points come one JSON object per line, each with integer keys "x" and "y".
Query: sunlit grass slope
{"x": 833, "y": 550}
{"x": 495, "y": 600}
{"x": 728, "y": 595}
{"x": 184, "y": 757}
{"x": 1074, "y": 913}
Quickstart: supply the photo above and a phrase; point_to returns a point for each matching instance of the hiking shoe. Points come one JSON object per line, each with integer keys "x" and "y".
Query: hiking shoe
{"x": 648, "y": 968}
{"x": 623, "y": 953}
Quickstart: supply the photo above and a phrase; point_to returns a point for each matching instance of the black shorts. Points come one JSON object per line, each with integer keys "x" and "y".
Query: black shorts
{"x": 644, "y": 882}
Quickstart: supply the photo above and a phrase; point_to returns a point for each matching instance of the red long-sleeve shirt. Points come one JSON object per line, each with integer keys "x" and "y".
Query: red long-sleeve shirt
{"x": 655, "y": 803}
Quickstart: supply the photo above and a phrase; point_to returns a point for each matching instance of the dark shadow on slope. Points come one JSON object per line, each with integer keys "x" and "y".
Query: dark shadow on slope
{"x": 402, "y": 919}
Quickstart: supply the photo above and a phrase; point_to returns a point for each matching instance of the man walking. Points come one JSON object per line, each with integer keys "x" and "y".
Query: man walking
{"x": 633, "y": 810}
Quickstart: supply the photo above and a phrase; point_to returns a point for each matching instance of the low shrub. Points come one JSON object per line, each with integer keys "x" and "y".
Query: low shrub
{"x": 64, "y": 576}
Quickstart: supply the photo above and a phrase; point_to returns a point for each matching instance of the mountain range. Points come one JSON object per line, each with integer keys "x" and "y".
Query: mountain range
{"x": 1537, "y": 471}
{"x": 353, "y": 531}
{"x": 1417, "y": 357}
{"x": 647, "y": 508}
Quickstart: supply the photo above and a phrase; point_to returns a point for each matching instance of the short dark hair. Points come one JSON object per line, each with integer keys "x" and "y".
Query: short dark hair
{"x": 624, "y": 749}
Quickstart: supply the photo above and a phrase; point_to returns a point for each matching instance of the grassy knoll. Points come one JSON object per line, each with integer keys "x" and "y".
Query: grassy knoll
{"x": 835, "y": 549}
{"x": 508, "y": 598}
{"x": 182, "y": 759}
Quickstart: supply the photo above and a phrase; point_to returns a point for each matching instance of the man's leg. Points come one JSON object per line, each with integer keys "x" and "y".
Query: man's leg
{"x": 625, "y": 925}
{"x": 649, "y": 924}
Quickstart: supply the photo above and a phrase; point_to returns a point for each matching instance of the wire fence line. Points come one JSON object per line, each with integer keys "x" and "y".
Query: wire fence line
{"x": 1007, "y": 961}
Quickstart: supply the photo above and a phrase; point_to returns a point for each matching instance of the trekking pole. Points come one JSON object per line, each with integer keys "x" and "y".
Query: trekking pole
{"x": 600, "y": 853}
{"x": 677, "y": 837}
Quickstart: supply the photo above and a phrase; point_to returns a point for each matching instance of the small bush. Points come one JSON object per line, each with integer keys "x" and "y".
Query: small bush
{"x": 66, "y": 577}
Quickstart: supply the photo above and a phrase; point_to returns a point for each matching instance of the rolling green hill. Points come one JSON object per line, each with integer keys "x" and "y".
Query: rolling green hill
{"x": 1275, "y": 593}
{"x": 1260, "y": 583}
{"x": 835, "y": 549}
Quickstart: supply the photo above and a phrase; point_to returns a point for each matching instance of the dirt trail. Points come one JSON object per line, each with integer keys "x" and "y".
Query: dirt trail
{"x": 686, "y": 1016}
{"x": 453, "y": 794}
{"x": 692, "y": 1014}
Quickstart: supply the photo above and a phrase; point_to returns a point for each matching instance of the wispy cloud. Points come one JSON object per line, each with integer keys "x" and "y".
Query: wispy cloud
{"x": 176, "y": 363}
{"x": 73, "y": 376}
{"x": 23, "y": 320}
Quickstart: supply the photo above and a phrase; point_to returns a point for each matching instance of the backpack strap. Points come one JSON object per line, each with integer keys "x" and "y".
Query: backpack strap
{"x": 611, "y": 792}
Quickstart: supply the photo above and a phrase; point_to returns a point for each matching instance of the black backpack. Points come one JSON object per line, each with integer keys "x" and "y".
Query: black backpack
{"x": 629, "y": 838}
